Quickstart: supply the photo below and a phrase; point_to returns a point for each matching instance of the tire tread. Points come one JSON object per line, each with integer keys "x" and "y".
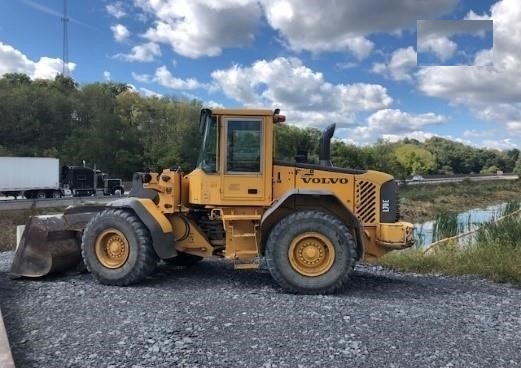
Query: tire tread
{"x": 299, "y": 217}
{"x": 146, "y": 259}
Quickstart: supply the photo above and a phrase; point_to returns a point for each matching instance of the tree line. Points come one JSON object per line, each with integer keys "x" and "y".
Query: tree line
{"x": 111, "y": 126}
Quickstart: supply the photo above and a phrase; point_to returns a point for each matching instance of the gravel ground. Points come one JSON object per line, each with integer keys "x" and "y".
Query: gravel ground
{"x": 213, "y": 316}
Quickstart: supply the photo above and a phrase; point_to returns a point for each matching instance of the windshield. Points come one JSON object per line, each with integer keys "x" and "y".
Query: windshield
{"x": 208, "y": 155}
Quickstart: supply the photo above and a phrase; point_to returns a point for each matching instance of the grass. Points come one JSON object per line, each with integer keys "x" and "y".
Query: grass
{"x": 496, "y": 263}
{"x": 495, "y": 254}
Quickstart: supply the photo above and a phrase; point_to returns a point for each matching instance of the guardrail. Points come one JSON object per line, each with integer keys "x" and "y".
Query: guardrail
{"x": 25, "y": 204}
{"x": 459, "y": 179}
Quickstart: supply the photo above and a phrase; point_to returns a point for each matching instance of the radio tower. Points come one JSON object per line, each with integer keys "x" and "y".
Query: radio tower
{"x": 65, "y": 56}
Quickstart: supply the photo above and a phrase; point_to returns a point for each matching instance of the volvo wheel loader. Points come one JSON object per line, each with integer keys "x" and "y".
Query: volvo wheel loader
{"x": 310, "y": 223}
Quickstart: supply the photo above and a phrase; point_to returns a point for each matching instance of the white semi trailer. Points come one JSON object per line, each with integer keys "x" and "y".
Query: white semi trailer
{"x": 30, "y": 177}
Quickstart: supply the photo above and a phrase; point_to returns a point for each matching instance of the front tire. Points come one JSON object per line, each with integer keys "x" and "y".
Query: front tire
{"x": 310, "y": 252}
{"x": 117, "y": 248}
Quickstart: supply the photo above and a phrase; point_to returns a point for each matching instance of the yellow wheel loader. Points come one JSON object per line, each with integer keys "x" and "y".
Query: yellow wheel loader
{"x": 310, "y": 222}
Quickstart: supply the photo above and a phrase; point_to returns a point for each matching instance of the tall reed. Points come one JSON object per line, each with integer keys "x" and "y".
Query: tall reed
{"x": 445, "y": 225}
{"x": 506, "y": 232}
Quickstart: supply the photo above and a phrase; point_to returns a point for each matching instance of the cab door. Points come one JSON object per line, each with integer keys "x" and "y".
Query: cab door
{"x": 244, "y": 160}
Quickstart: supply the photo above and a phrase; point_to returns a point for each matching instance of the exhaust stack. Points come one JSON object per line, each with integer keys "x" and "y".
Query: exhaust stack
{"x": 325, "y": 146}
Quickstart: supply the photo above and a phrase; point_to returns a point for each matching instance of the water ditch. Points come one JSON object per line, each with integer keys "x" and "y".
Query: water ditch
{"x": 452, "y": 224}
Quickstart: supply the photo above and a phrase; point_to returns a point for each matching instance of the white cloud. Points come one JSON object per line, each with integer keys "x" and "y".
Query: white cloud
{"x": 132, "y": 87}
{"x": 392, "y": 120}
{"x": 399, "y": 120}
{"x": 483, "y": 58}
{"x": 14, "y": 61}
{"x": 196, "y": 28}
{"x": 448, "y": 28}
{"x": 141, "y": 53}
{"x": 305, "y": 93}
{"x": 514, "y": 126}
{"x": 419, "y": 135}
{"x": 166, "y": 79}
{"x": 149, "y": 93}
{"x": 470, "y": 85}
{"x": 499, "y": 112}
{"x": 120, "y": 32}
{"x": 390, "y": 123}
{"x": 473, "y": 16}
{"x": 492, "y": 92}
{"x": 493, "y": 139}
{"x": 500, "y": 144}
{"x": 442, "y": 47}
{"x": 143, "y": 78}
{"x": 329, "y": 25}
{"x": 116, "y": 10}
{"x": 106, "y": 75}
{"x": 47, "y": 68}
{"x": 399, "y": 67}
{"x": 434, "y": 35}
{"x": 215, "y": 105}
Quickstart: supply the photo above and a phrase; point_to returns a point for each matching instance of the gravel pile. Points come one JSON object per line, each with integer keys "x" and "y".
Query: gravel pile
{"x": 213, "y": 316}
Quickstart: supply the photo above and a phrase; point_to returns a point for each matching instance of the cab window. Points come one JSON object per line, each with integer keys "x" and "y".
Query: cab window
{"x": 209, "y": 149}
{"x": 244, "y": 145}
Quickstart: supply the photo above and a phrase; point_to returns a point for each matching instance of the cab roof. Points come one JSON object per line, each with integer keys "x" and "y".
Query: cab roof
{"x": 242, "y": 112}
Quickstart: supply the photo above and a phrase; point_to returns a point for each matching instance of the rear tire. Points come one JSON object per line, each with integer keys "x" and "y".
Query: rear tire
{"x": 117, "y": 248}
{"x": 311, "y": 252}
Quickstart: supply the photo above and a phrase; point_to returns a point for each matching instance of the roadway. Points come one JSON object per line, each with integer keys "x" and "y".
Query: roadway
{"x": 456, "y": 179}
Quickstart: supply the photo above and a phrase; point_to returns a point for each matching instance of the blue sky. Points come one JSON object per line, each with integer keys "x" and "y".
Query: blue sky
{"x": 351, "y": 62}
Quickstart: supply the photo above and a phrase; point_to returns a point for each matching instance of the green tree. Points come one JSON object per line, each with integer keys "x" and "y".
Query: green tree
{"x": 383, "y": 158}
{"x": 492, "y": 170}
{"x": 348, "y": 155}
{"x": 517, "y": 167}
{"x": 415, "y": 159}
{"x": 291, "y": 141}
{"x": 16, "y": 79}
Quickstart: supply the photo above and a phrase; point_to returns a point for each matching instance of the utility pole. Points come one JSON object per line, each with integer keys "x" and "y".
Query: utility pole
{"x": 65, "y": 56}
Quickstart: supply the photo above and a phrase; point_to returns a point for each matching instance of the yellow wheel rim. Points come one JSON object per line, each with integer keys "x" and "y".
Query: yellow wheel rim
{"x": 311, "y": 254}
{"x": 112, "y": 248}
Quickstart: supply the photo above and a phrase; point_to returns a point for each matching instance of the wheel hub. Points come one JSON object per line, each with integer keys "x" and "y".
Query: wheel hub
{"x": 112, "y": 248}
{"x": 116, "y": 247}
{"x": 311, "y": 254}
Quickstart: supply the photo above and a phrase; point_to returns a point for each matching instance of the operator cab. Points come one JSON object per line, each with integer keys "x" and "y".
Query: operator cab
{"x": 235, "y": 161}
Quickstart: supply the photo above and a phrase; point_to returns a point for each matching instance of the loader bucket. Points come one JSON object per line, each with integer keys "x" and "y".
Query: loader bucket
{"x": 48, "y": 245}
